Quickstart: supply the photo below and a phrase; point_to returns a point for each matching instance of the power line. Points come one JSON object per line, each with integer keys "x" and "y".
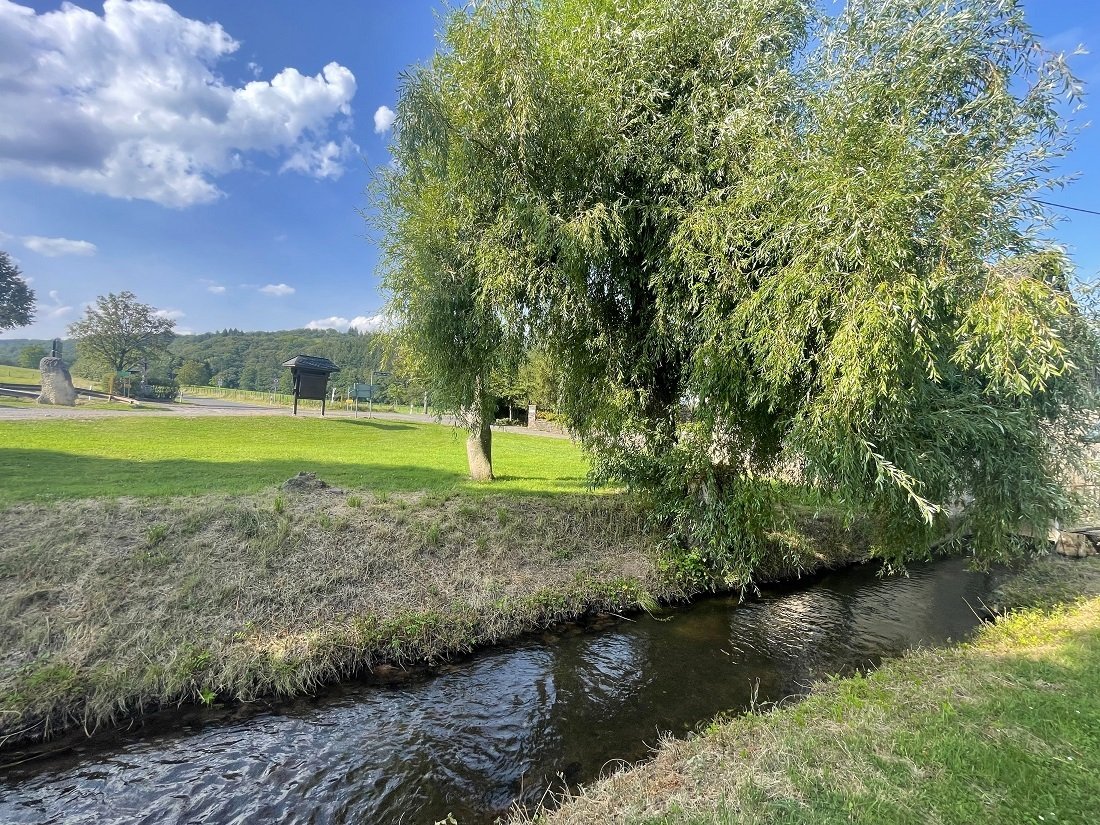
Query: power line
{"x": 1070, "y": 208}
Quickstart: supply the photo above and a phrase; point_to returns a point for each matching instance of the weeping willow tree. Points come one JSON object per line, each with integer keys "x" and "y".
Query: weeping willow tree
{"x": 818, "y": 235}
{"x": 435, "y": 204}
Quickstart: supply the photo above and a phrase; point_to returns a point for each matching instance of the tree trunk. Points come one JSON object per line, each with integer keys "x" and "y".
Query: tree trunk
{"x": 479, "y": 452}
{"x": 479, "y": 441}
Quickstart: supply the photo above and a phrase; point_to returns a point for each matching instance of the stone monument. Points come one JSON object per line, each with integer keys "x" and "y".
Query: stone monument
{"x": 57, "y": 384}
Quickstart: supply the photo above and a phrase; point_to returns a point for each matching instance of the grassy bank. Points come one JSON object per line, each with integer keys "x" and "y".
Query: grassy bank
{"x": 118, "y": 607}
{"x": 19, "y": 375}
{"x": 111, "y": 608}
{"x": 168, "y": 455}
{"x": 1005, "y": 729}
{"x": 146, "y": 562}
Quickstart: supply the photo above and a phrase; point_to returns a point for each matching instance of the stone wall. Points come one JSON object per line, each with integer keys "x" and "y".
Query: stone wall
{"x": 1076, "y": 544}
{"x": 546, "y": 426}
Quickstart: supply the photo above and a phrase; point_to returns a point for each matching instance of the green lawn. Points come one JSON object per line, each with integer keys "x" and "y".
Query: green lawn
{"x": 18, "y": 375}
{"x": 66, "y": 459}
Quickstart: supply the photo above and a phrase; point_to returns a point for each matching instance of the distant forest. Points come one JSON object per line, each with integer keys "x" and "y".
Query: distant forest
{"x": 11, "y": 349}
{"x": 253, "y": 360}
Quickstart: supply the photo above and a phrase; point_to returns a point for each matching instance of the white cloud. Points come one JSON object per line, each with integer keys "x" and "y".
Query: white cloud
{"x": 170, "y": 314}
{"x": 58, "y": 309}
{"x": 384, "y": 117}
{"x": 1067, "y": 42}
{"x": 321, "y": 161}
{"x": 217, "y": 289}
{"x": 362, "y": 323}
{"x": 129, "y": 104}
{"x": 56, "y": 247}
{"x": 277, "y": 290}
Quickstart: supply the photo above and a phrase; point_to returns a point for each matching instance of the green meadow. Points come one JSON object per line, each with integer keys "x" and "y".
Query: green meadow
{"x": 171, "y": 455}
{"x": 18, "y": 375}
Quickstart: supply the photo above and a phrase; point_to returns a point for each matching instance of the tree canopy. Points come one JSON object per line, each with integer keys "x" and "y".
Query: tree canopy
{"x": 16, "y": 298}
{"x": 755, "y": 237}
{"x": 31, "y": 356}
{"x": 194, "y": 373}
{"x": 433, "y": 205}
{"x": 250, "y": 360}
{"x": 119, "y": 331}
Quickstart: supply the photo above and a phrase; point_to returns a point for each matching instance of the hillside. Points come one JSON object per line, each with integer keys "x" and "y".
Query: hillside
{"x": 11, "y": 347}
{"x": 251, "y": 360}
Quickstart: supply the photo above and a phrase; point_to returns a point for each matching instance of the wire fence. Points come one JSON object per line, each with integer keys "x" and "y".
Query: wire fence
{"x": 277, "y": 399}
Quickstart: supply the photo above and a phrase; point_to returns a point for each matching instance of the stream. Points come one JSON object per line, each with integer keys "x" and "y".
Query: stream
{"x": 499, "y": 727}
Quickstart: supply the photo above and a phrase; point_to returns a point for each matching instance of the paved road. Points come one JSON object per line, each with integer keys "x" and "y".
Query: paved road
{"x": 220, "y": 403}
{"x": 196, "y": 407}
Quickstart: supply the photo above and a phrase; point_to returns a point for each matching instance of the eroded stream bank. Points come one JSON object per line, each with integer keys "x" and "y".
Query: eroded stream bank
{"x": 502, "y": 726}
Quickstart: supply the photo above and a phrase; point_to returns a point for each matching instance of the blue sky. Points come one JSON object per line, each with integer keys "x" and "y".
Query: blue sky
{"x": 211, "y": 156}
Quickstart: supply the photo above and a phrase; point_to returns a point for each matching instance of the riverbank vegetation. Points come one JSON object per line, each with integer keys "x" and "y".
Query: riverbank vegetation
{"x": 110, "y": 608}
{"x": 1005, "y": 728}
{"x": 769, "y": 236}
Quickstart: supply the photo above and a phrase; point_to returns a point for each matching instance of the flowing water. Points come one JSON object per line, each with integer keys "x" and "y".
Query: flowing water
{"x": 499, "y": 727}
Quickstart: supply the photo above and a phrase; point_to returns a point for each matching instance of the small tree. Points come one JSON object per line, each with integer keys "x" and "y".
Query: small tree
{"x": 193, "y": 374}
{"x": 31, "y": 356}
{"x": 433, "y": 205}
{"x": 120, "y": 330}
{"x": 16, "y": 298}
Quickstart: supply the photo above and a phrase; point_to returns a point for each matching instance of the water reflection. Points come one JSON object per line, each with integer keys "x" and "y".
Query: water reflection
{"x": 501, "y": 726}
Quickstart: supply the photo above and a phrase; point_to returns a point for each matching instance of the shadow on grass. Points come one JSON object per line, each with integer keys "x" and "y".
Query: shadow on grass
{"x": 374, "y": 423}
{"x": 44, "y": 475}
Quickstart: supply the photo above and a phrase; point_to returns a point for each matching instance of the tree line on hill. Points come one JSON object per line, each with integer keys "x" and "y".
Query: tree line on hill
{"x": 27, "y": 352}
{"x": 253, "y": 361}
